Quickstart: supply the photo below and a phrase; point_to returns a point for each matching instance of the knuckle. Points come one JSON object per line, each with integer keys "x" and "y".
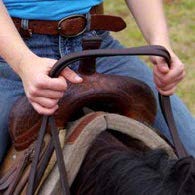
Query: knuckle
{"x": 166, "y": 93}
{"x": 41, "y": 112}
{"x": 61, "y": 95}
{"x": 32, "y": 92}
{"x": 44, "y": 111}
{"x": 184, "y": 74}
{"x": 30, "y": 98}
{"x": 48, "y": 112}
{"x": 39, "y": 82}
{"x": 28, "y": 95}
{"x": 63, "y": 88}
{"x": 181, "y": 68}
{"x": 65, "y": 85}
{"x": 161, "y": 92}
{"x": 163, "y": 82}
{"x": 159, "y": 86}
{"x": 53, "y": 103}
{"x": 62, "y": 83}
{"x": 51, "y": 111}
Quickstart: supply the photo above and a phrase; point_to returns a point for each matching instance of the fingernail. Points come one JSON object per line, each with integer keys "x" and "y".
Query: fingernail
{"x": 56, "y": 107}
{"x": 165, "y": 65}
{"x": 77, "y": 78}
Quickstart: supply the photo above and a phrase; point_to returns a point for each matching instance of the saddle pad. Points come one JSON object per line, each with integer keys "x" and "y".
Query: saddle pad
{"x": 84, "y": 131}
{"x": 16, "y": 167}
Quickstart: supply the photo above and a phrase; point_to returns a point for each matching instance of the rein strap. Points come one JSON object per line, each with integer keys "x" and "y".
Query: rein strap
{"x": 48, "y": 120}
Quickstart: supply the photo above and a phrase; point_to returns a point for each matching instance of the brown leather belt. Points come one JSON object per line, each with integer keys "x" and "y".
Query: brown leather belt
{"x": 72, "y": 26}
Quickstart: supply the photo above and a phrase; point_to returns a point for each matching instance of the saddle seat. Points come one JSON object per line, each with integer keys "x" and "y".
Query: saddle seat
{"x": 110, "y": 93}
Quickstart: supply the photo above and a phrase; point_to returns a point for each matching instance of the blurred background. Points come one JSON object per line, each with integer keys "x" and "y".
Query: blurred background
{"x": 181, "y": 21}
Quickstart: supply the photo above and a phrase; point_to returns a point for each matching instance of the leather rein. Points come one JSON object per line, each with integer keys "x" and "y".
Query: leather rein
{"x": 49, "y": 120}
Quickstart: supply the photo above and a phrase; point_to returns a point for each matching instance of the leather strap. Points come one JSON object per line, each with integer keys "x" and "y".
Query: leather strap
{"x": 165, "y": 105}
{"x": 60, "y": 160}
{"x": 59, "y": 155}
{"x": 32, "y": 175}
{"x": 7, "y": 179}
{"x": 153, "y": 50}
{"x": 44, "y": 163}
{"x": 72, "y": 26}
{"x": 63, "y": 63}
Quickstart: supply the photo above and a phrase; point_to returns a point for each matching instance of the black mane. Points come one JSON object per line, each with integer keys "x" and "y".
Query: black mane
{"x": 112, "y": 168}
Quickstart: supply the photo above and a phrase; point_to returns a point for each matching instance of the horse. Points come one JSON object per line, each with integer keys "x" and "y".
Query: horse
{"x": 118, "y": 164}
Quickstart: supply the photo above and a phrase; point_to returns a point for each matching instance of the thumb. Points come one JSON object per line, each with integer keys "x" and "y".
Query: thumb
{"x": 163, "y": 67}
{"x": 160, "y": 64}
{"x": 71, "y": 75}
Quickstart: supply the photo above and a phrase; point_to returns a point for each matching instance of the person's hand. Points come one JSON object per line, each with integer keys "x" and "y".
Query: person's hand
{"x": 165, "y": 78}
{"x": 42, "y": 91}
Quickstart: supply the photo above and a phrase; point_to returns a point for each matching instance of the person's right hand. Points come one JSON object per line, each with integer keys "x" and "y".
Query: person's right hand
{"x": 42, "y": 91}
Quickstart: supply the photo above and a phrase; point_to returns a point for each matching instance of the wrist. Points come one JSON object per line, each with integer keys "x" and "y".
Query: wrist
{"x": 22, "y": 62}
{"x": 163, "y": 42}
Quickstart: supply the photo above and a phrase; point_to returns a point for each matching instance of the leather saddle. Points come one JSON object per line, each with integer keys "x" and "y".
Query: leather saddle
{"x": 110, "y": 93}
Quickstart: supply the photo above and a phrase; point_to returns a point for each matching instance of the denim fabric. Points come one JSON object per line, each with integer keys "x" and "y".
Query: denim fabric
{"x": 55, "y": 47}
{"x": 10, "y": 89}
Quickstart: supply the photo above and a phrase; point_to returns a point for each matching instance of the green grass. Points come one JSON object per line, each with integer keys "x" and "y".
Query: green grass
{"x": 181, "y": 21}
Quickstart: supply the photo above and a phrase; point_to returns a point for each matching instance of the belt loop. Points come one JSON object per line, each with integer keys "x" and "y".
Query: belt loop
{"x": 24, "y": 24}
{"x": 88, "y": 17}
{"x": 25, "y": 31}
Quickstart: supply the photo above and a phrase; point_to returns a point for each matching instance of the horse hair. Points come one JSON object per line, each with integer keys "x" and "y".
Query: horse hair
{"x": 111, "y": 167}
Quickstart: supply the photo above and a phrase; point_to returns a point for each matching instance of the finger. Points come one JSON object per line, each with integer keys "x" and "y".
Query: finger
{"x": 46, "y": 93}
{"x": 161, "y": 83}
{"x": 168, "y": 78}
{"x": 158, "y": 81}
{"x": 71, "y": 75}
{"x": 155, "y": 59}
{"x": 163, "y": 68}
{"x": 44, "y": 102}
{"x": 167, "y": 92}
{"x": 175, "y": 74}
{"x": 42, "y": 110}
{"x": 167, "y": 87}
{"x": 160, "y": 64}
{"x": 51, "y": 94}
{"x": 176, "y": 70}
{"x": 55, "y": 84}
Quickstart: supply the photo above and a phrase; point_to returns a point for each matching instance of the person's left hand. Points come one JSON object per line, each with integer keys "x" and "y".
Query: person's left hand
{"x": 165, "y": 78}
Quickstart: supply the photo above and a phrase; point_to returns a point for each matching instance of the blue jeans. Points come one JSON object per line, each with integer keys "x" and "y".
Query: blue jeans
{"x": 56, "y": 46}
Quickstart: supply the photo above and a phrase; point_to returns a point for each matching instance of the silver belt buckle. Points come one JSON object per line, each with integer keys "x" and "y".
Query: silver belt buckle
{"x": 59, "y": 27}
